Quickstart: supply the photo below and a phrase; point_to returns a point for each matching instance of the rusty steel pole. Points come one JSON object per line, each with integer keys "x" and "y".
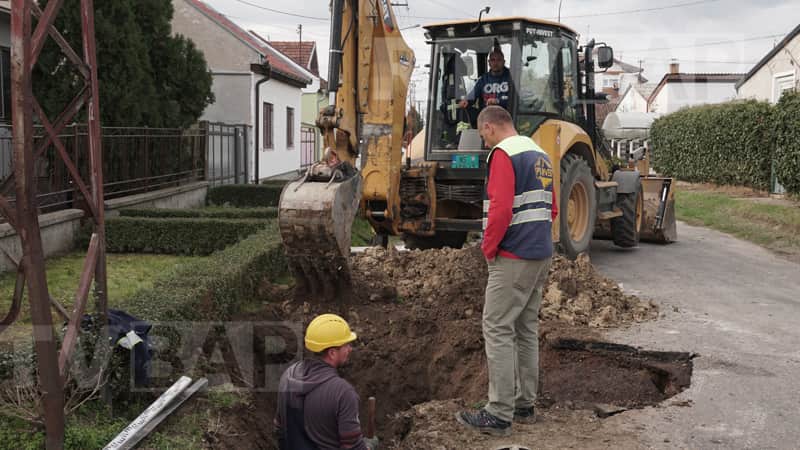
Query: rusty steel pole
{"x": 26, "y": 45}
{"x": 27, "y": 219}
{"x": 96, "y": 158}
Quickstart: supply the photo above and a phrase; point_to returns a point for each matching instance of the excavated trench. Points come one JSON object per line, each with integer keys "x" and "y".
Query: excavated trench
{"x": 417, "y": 315}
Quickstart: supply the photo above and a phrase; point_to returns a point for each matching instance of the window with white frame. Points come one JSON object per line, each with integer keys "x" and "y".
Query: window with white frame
{"x": 782, "y": 82}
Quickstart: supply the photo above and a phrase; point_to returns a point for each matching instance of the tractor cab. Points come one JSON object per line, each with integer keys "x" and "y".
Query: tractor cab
{"x": 539, "y": 79}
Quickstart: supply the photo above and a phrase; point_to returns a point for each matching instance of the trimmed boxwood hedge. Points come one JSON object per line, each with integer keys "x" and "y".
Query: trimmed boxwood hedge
{"x": 216, "y": 287}
{"x": 183, "y": 236}
{"x": 245, "y": 195}
{"x": 787, "y": 141}
{"x": 215, "y": 213}
{"x": 728, "y": 143}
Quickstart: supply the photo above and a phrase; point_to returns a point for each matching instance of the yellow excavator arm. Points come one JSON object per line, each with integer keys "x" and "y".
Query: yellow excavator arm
{"x": 370, "y": 68}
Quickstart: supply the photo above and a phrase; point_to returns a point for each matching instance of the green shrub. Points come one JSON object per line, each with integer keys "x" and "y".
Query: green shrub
{"x": 787, "y": 141}
{"x": 729, "y": 143}
{"x": 245, "y": 195}
{"x": 184, "y": 236}
{"x": 213, "y": 288}
{"x": 215, "y": 213}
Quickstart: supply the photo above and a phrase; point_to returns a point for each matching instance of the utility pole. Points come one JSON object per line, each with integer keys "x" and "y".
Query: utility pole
{"x": 300, "y": 43}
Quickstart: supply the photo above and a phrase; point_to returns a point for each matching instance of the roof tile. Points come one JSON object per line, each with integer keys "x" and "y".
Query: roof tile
{"x": 275, "y": 61}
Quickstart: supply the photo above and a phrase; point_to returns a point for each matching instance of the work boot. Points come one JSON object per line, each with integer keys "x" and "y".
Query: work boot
{"x": 484, "y": 422}
{"x": 524, "y": 415}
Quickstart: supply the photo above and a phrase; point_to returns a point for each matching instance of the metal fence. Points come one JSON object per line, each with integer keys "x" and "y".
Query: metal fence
{"x": 135, "y": 160}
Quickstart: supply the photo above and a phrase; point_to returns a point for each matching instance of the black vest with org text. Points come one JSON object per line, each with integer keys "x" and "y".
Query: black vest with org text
{"x": 529, "y": 236}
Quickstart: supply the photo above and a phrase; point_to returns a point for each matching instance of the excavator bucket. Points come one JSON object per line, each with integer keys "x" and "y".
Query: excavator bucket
{"x": 658, "y": 223}
{"x": 315, "y": 220}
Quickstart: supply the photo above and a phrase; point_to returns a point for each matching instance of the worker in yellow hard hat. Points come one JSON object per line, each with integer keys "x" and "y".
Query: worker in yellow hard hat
{"x": 316, "y": 407}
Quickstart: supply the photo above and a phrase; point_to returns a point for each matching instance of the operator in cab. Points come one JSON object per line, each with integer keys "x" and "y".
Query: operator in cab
{"x": 493, "y": 87}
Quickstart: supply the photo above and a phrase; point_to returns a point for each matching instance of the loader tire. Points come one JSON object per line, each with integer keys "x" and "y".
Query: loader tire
{"x": 625, "y": 229}
{"x": 452, "y": 239}
{"x": 577, "y": 206}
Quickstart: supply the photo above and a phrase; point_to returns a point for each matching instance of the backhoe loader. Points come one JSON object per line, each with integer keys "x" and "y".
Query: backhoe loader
{"x": 433, "y": 197}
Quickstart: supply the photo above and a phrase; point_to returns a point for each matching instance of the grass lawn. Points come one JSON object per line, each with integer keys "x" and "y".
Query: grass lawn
{"x": 127, "y": 273}
{"x": 775, "y": 226}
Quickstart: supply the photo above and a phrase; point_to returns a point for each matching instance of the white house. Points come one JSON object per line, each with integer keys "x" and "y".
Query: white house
{"x": 617, "y": 78}
{"x": 268, "y": 103}
{"x": 678, "y": 90}
{"x": 635, "y": 98}
{"x": 778, "y": 71}
{"x": 304, "y": 56}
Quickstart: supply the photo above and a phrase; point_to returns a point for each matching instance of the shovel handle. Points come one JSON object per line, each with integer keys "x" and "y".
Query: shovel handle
{"x": 370, "y": 417}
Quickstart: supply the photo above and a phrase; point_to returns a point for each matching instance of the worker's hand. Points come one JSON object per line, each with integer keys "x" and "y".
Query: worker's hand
{"x": 492, "y": 101}
{"x": 372, "y": 443}
{"x": 463, "y": 104}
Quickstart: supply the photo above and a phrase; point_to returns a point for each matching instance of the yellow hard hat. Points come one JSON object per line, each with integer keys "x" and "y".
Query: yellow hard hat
{"x": 326, "y": 331}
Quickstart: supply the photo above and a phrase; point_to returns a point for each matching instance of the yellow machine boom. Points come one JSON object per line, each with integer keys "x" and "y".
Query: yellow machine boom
{"x": 370, "y": 69}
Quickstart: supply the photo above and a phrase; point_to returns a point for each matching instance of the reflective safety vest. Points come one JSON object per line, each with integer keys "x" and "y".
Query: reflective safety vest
{"x": 529, "y": 236}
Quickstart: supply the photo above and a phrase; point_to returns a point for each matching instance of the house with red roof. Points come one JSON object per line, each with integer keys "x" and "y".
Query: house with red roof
{"x": 254, "y": 85}
{"x": 304, "y": 55}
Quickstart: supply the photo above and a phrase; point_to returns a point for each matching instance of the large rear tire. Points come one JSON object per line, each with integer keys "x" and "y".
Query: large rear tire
{"x": 452, "y": 239}
{"x": 577, "y": 206}
{"x": 625, "y": 230}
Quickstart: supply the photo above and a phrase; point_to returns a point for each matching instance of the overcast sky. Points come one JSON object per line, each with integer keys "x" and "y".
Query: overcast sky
{"x": 698, "y": 34}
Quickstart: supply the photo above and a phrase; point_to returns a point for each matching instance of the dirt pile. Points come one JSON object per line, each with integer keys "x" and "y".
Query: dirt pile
{"x": 418, "y": 318}
{"x": 575, "y": 292}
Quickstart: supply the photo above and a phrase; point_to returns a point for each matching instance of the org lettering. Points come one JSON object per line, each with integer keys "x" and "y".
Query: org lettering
{"x": 496, "y": 88}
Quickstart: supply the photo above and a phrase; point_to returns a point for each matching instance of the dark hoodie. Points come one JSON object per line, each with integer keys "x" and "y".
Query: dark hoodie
{"x": 329, "y": 406}
{"x": 492, "y": 86}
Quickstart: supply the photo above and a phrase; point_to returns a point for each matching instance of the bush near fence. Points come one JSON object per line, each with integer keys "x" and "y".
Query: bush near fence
{"x": 245, "y": 195}
{"x": 216, "y": 287}
{"x": 180, "y": 236}
{"x": 213, "y": 213}
{"x": 787, "y": 141}
{"x": 730, "y": 143}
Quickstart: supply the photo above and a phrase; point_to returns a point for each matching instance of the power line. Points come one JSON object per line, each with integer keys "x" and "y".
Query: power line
{"x": 709, "y": 44}
{"x": 447, "y": 7}
{"x": 276, "y": 11}
{"x": 579, "y": 16}
{"x": 640, "y": 10}
{"x": 697, "y": 61}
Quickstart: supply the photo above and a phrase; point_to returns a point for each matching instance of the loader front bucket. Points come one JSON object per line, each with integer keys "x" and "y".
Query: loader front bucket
{"x": 315, "y": 220}
{"x": 658, "y": 223}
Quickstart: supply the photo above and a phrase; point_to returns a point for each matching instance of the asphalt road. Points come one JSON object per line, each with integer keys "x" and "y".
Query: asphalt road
{"x": 735, "y": 304}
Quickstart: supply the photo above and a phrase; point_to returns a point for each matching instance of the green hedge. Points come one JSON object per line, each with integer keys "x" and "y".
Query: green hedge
{"x": 214, "y": 213}
{"x": 183, "y": 236}
{"x": 729, "y": 143}
{"x": 245, "y": 195}
{"x": 787, "y": 141}
{"x": 213, "y": 288}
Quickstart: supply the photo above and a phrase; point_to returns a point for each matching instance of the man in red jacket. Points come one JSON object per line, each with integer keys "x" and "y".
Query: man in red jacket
{"x": 519, "y": 210}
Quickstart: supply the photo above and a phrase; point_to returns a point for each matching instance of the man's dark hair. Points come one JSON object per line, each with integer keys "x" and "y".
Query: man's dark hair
{"x": 496, "y": 115}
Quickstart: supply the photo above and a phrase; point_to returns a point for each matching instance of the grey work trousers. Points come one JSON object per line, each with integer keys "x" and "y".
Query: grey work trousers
{"x": 511, "y": 332}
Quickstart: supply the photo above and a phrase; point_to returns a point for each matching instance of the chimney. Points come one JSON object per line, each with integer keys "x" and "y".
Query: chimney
{"x": 674, "y": 67}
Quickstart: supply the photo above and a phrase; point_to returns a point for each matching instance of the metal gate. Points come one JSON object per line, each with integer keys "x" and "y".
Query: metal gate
{"x": 308, "y": 146}
{"x": 226, "y": 153}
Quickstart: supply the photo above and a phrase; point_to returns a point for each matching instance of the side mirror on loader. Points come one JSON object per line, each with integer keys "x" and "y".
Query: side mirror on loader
{"x": 605, "y": 56}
